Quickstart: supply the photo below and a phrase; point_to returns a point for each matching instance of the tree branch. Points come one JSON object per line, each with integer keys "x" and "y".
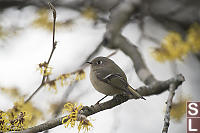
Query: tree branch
{"x": 114, "y": 40}
{"x": 132, "y": 51}
{"x": 51, "y": 54}
{"x": 153, "y": 89}
{"x": 172, "y": 89}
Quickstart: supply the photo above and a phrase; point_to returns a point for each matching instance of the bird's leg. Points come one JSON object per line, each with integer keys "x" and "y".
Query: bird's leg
{"x": 101, "y": 99}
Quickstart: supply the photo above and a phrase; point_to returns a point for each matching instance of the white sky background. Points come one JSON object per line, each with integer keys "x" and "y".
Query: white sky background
{"x": 21, "y": 52}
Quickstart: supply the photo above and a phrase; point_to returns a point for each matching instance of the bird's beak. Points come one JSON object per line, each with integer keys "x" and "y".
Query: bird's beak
{"x": 88, "y": 62}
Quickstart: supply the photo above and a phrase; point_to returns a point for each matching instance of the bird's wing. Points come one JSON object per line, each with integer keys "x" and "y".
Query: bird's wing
{"x": 115, "y": 80}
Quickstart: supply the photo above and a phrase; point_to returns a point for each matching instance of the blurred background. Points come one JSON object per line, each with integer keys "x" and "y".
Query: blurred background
{"x": 166, "y": 32}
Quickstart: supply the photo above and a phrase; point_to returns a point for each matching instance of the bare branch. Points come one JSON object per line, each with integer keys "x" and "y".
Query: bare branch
{"x": 45, "y": 126}
{"x": 132, "y": 51}
{"x": 153, "y": 89}
{"x": 33, "y": 94}
{"x": 113, "y": 53}
{"x": 54, "y": 27}
{"x": 114, "y": 40}
{"x": 172, "y": 88}
{"x": 52, "y": 51}
{"x": 145, "y": 35}
{"x": 119, "y": 17}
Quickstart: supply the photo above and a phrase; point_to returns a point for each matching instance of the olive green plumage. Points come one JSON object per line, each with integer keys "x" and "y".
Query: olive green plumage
{"x": 108, "y": 78}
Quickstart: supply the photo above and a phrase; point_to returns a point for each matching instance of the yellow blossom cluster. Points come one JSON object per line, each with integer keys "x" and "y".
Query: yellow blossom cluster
{"x": 66, "y": 79}
{"x": 89, "y": 13}
{"x": 178, "y": 110}
{"x": 51, "y": 85}
{"x": 4, "y": 122}
{"x": 75, "y": 117}
{"x": 43, "y": 21}
{"x": 193, "y": 37}
{"x": 19, "y": 117}
{"x": 77, "y": 75}
{"x": 174, "y": 47}
{"x": 11, "y": 92}
{"x": 45, "y": 70}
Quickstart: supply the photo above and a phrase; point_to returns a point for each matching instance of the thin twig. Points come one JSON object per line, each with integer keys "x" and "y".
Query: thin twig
{"x": 30, "y": 97}
{"x": 52, "y": 51}
{"x": 71, "y": 87}
{"x": 113, "y": 53}
{"x": 83, "y": 66}
{"x": 172, "y": 88}
{"x": 54, "y": 27}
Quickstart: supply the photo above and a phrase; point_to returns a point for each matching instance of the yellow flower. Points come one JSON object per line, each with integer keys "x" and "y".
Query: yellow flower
{"x": 75, "y": 116}
{"x": 71, "y": 77}
{"x": 69, "y": 107}
{"x": 45, "y": 70}
{"x": 160, "y": 54}
{"x": 80, "y": 75}
{"x": 12, "y": 92}
{"x": 20, "y": 121}
{"x": 89, "y": 13}
{"x": 85, "y": 125}
{"x": 174, "y": 44}
{"x": 4, "y": 122}
{"x": 63, "y": 78}
{"x": 51, "y": 84}
{"x": 193, "y": 37}
{"x": 21, "y": 113}
{"x": 73, "y": 109}
{"x": 9, "y": 121}
{"x": 174, "y": 47}
{"x": 178, "y": 109}
{"x": 43, "y": 21}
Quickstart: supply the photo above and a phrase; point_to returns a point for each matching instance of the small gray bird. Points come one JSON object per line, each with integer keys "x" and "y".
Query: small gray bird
{"x": 109, "y": 79}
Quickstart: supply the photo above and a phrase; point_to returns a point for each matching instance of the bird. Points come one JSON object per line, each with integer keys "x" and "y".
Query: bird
{"x": 109, "y": 79}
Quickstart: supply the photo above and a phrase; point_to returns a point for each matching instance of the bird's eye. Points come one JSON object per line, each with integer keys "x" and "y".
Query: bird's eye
{"x": 99, "y": 62}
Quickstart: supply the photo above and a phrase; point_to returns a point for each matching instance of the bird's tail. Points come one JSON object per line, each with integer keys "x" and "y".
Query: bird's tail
{"x": 135, "y": 93}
